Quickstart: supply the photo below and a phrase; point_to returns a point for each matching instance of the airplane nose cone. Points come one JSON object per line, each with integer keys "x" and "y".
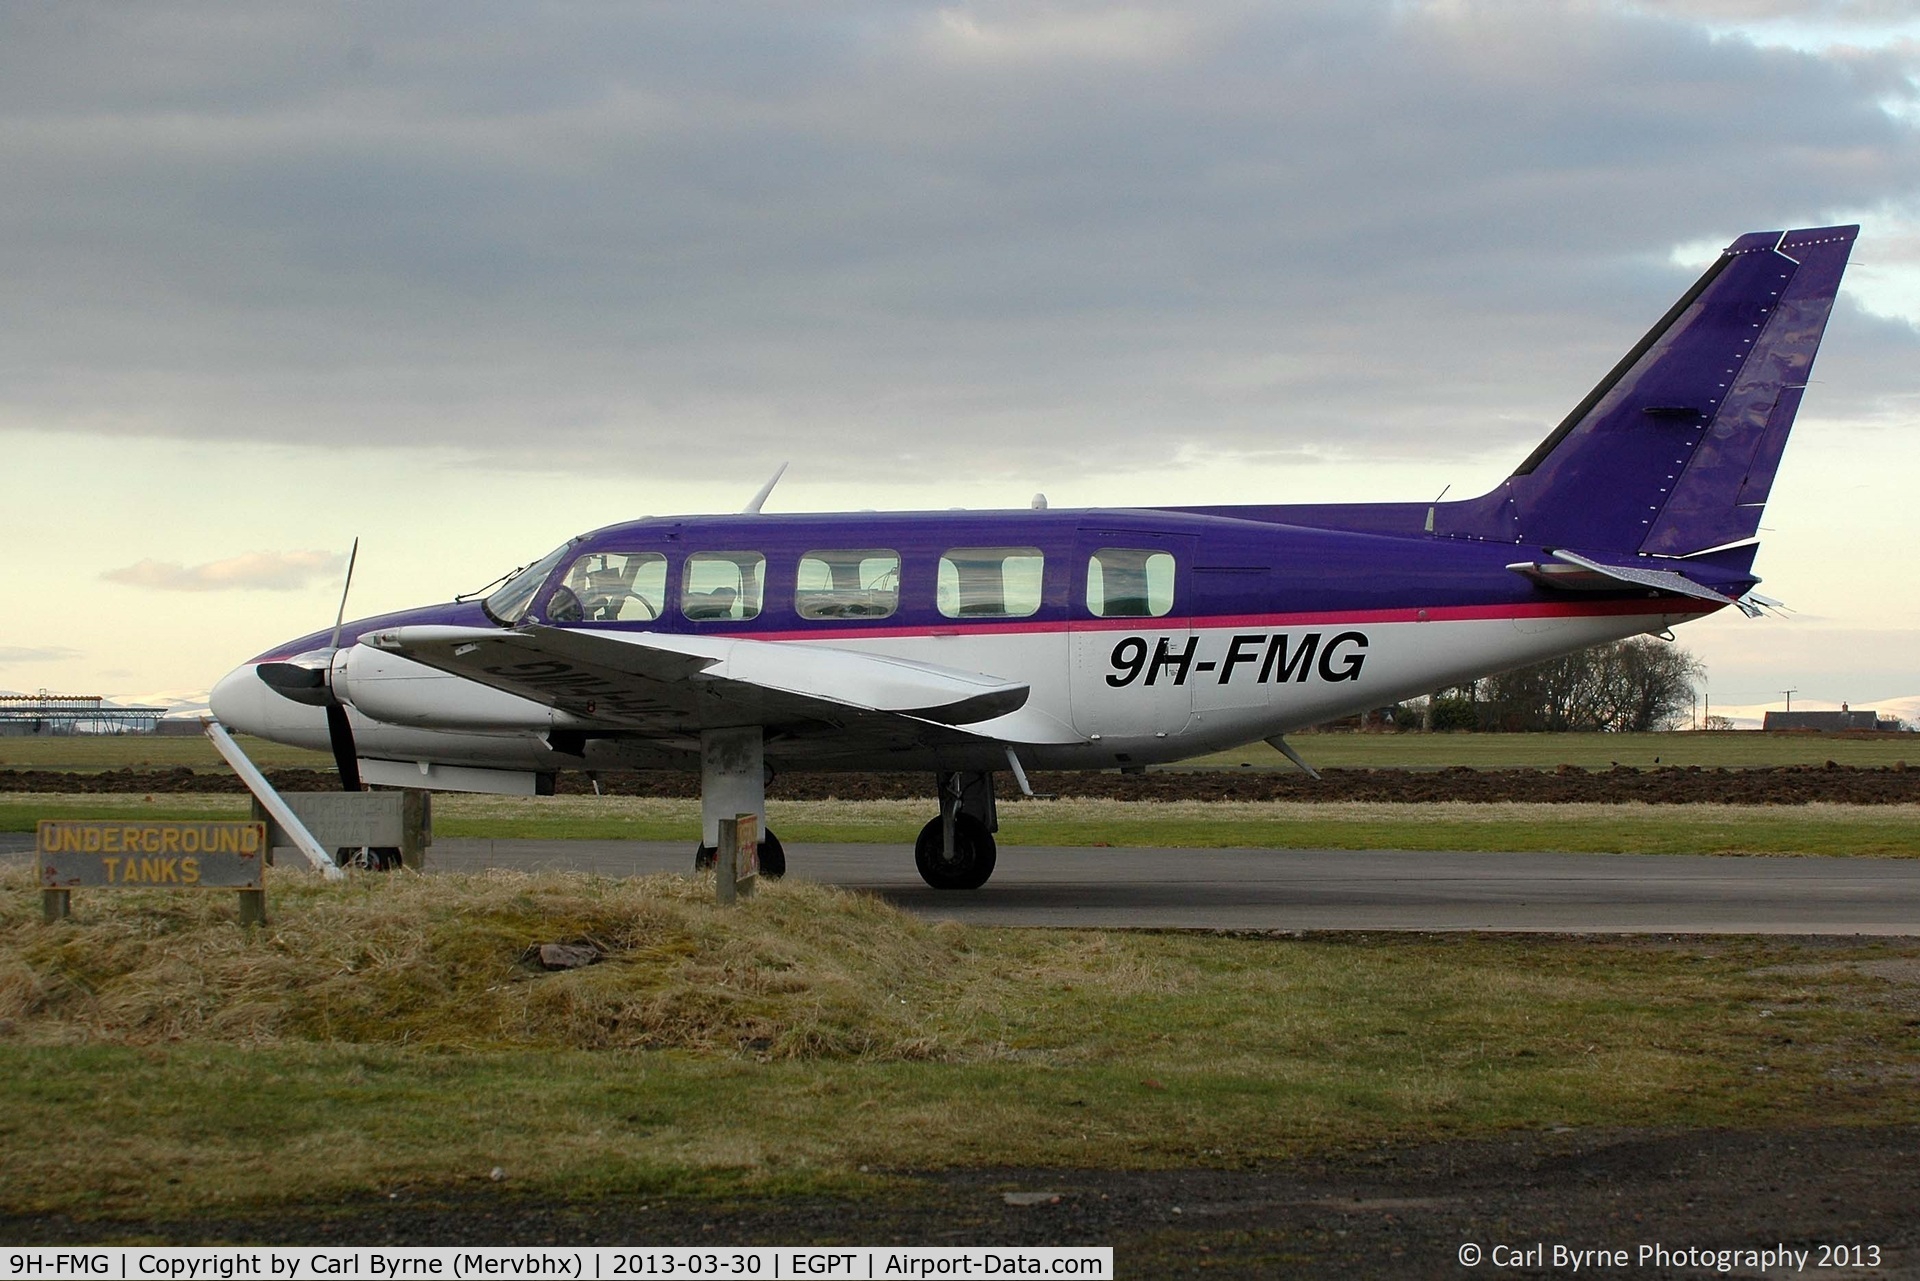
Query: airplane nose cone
{"x": 240, "y": 701}
{"x": 248, "y": 705}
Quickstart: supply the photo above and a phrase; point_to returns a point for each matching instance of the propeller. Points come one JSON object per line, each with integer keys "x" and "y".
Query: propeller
{"x": 309, "y": 680}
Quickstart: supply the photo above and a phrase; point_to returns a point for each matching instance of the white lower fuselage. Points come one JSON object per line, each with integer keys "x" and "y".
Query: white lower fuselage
{"x": 1121, "y": 692}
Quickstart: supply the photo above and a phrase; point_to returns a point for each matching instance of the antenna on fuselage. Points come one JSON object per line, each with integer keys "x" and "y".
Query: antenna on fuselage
{"x": 760, "y": 499}
{"x": 1436, "y": 502}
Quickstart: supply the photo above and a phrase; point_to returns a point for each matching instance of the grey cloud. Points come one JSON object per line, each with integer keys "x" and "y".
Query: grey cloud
{"x": 250, "y": 571}
{"x": 915, "y": 238}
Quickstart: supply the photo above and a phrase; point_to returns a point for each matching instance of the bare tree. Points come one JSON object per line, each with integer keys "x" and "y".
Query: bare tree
{"x": 1636, "y": 684}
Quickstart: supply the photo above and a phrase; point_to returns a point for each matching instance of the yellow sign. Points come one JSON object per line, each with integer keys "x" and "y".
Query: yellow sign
{"x": 76, "y": 853}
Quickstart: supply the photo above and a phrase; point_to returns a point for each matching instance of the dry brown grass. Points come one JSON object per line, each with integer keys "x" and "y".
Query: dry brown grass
{"x": 800, "y": 971}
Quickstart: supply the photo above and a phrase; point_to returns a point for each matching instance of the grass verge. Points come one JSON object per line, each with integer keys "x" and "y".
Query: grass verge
{"x": 154, "y": 1058}
{"x": 1883, "y": 831}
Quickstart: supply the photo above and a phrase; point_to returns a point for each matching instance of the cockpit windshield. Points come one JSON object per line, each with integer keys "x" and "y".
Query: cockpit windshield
{"x": 509, "y": 605}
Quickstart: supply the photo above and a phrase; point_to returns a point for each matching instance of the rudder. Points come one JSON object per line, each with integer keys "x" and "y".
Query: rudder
{"x": 1674, "y": 452}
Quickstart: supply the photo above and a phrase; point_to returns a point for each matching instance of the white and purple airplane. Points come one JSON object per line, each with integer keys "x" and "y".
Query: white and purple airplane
{"x": 969, "y": 643}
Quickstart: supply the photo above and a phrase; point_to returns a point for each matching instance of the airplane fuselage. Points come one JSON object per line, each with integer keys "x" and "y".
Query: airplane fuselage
{"x": 1145, "y": 635}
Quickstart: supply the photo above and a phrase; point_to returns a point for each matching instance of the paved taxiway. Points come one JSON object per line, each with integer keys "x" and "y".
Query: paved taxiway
{"x": 1258, "y": 889}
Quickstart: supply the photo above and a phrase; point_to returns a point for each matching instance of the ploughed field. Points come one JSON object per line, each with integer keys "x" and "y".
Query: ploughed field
{"x": 1673, "y": 768}
{"x": 1830, "y": 782}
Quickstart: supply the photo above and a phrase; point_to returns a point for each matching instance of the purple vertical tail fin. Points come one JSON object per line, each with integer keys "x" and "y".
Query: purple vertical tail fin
{"x": 1674, "y": 452}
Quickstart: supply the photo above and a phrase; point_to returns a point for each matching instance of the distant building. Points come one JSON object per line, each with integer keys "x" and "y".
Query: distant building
{"x": 1826, "y": 722}
{"x": 23, "y": 715}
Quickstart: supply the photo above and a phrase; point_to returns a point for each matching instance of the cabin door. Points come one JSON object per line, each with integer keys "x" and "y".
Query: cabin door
{"x": 1132, "y": 640}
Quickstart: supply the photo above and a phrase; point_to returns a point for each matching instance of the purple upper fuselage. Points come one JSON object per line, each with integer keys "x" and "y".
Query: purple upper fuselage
{"x": 1231, "y": 564}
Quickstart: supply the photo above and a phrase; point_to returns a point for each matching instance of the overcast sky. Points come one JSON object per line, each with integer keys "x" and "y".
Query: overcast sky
{"x": 465, "y": 279}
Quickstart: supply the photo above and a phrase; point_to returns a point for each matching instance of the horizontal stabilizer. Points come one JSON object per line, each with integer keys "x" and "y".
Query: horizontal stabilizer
{"x": 1570, "y": 571}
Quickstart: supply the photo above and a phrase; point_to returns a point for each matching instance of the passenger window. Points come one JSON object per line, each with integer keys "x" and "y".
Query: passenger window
{"x": 848, "y": 584}
{"x": 1125, "y": 582}
{"x": 990, "y": 582}
{"x": 605, "y": 587}
{"x": 722, "y": 586}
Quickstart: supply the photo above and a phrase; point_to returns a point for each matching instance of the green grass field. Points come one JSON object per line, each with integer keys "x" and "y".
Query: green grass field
{"x": 1589, "y": 751}
{"x": 1330, "y": 751}
{"x": 155, "y": 1058}
{"x": 1884, "y": 831}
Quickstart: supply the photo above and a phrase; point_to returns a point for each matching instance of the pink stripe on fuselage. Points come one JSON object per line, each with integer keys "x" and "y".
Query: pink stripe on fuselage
{"x": 1323, "y": 618}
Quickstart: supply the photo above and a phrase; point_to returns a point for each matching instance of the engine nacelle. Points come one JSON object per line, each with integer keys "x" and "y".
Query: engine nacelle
{"x": 399, "y": 691}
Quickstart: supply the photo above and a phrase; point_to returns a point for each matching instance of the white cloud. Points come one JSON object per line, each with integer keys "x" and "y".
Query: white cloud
{"x": 252, "y": 571}
{"x": 37, "y": 654}
{"x": 1022, "y": 36}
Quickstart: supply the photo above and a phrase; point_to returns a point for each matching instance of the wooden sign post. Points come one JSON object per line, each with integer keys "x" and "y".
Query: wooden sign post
{"x": 738, "y": 864}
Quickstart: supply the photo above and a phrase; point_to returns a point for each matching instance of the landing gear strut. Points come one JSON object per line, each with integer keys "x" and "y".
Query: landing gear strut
{"x": 733, "y": 781}
{"x": 956, "y": 851}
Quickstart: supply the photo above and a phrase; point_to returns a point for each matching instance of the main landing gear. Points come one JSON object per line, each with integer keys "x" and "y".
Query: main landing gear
{"x": 773, "y": 857}
{"x": 956, "y": 851}
{"x": 733, "y": 781}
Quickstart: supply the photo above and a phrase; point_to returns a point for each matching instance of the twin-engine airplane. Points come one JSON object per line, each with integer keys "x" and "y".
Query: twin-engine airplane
{"x": 965, "y": 643}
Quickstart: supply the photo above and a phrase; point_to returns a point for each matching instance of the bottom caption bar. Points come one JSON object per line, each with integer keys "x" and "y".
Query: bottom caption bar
{"x": 299, "y": 1263}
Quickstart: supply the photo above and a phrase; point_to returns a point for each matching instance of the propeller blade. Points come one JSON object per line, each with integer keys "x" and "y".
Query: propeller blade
{"x": 345, "y": 758}
{"x": 341, "y": 617}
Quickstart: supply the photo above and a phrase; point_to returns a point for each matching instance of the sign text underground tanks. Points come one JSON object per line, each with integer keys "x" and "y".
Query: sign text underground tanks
{"x": 81, "y": 853}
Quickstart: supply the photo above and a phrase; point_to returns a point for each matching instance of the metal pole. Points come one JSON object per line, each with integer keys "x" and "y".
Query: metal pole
{"x": 263, "y": 792}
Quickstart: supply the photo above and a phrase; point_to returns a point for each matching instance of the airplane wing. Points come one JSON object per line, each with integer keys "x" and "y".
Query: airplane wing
{"x": 669, "y": 686}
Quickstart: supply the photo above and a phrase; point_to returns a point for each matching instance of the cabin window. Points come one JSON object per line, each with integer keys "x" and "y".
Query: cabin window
{"x": 848, "y": 584}
{"x": 722, "y": 586}
{"x": 1128, "y": 582}
{"x": 607, "y": 587}
{"x": 990, "y": 582}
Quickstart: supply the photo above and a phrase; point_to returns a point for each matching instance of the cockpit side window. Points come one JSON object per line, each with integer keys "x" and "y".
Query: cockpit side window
{"x": 722, "y": 586}
{"x": 857, "y": 584}
{"x": 1128, "y": 582}
{"x": 990, "y": 582}
{"x": 509, "y": 605}
{"x": 610, "y": 586}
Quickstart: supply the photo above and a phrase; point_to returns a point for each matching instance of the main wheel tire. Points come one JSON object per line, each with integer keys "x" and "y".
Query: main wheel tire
{"x": 773, "y": 857}
{"x": 368, "y": 858}
{"x": 973, "y": 855}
